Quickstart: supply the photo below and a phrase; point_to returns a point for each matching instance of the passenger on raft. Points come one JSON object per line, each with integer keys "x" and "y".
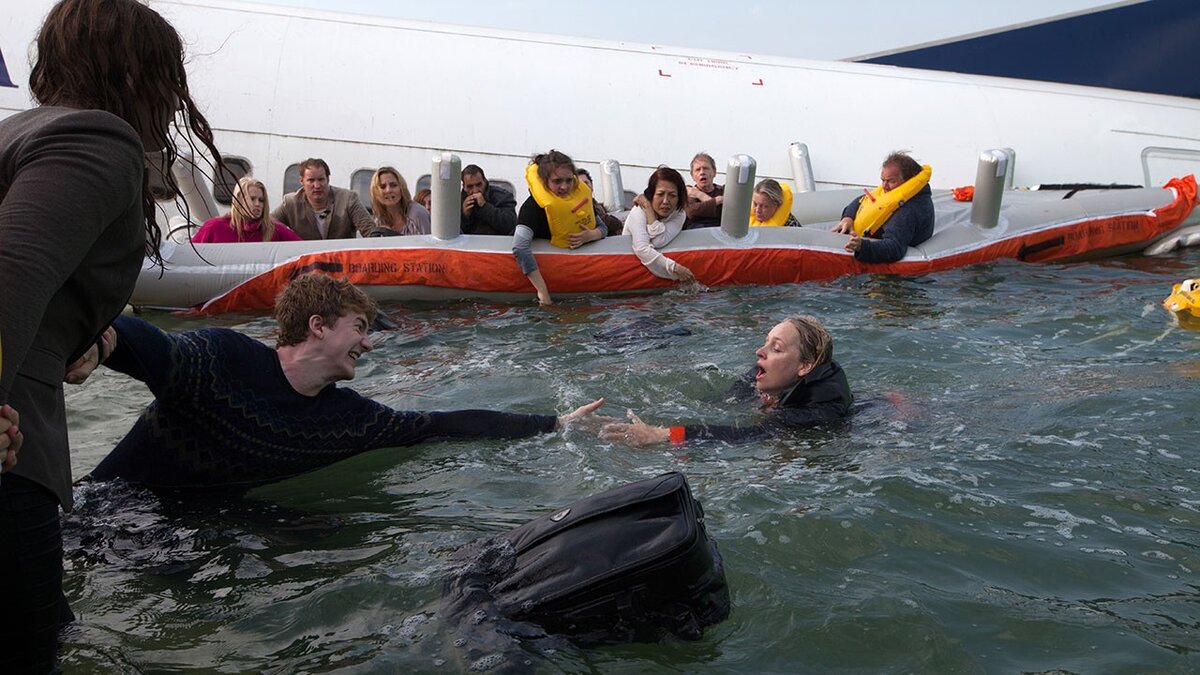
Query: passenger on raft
{"x": 245, "y": 221}
{"x": 319, "y": 210}
{"x": 910, "y": 225}
{"x": 705, "y": 198}
{"x": 614, "y": 224}
{"x": 559, "y": 208}
{"x": 771, "y": 205}
{"x": 658, "y": 217}
{"x": 233, "y": 413}
{"x": 393, "y": 207}
{"x": 424, "y": 197}
{"x": 486, "y": 208}
{"x": 797, "y": 382}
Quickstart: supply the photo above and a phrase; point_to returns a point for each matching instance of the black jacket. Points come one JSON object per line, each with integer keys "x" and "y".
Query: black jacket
{"x": 822, "y": 397}
{"x": 497, "y": 215}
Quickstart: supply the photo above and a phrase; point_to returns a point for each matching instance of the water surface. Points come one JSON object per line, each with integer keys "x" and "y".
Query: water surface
{"x": 1018, "y": 492}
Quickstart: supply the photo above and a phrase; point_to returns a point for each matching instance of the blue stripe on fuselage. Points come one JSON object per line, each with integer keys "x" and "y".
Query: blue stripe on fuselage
{"x": 5, "y": 80}
{"x": 1149, "y": 46}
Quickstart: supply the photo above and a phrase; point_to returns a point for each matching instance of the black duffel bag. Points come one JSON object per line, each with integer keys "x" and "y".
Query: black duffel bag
{"x": 631, "y": 564}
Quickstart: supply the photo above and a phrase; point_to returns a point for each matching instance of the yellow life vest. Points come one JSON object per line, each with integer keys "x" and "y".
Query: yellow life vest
{"x": 566, "y": 215}
{"x": 781, "y": 213}
{"x": 875, "y": 207}
{"x": 1185, "y": 297}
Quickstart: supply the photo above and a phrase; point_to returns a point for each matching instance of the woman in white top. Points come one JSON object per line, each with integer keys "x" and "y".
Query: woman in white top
{"x": 657, "y": 217}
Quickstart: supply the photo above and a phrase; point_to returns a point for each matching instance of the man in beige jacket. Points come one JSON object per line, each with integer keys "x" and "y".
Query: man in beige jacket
{"x": 320, "y": 211}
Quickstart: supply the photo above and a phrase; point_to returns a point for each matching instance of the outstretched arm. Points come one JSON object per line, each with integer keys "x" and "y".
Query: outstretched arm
{"x": 141, "y": 351}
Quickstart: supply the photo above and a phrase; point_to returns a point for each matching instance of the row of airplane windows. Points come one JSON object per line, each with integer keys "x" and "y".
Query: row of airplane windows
{"x": 360, "y": 181}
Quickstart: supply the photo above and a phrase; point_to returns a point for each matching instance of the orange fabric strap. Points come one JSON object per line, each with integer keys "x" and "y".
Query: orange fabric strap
{"x": 678, "y": 435}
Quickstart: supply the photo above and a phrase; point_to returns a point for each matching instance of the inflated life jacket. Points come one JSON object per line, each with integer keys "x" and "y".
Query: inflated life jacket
{"x": 1185, "y": 297}
{"x": 875, "y": 207}
{"x": 566, "y": 215}
{"x": 781, "y": 213}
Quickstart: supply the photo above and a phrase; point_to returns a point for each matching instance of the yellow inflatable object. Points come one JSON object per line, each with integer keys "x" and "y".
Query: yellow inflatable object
{"x": 1185, "y": 297}
{"x": 567, "y": 215}
{"x": 875, "y": 207}
{"x": 781, "y": 213}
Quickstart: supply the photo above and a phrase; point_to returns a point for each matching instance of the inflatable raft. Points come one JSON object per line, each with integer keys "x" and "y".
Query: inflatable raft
{"x": 1030, "y": 225}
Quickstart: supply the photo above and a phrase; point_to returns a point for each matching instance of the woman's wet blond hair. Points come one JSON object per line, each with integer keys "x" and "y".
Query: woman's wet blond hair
{"x": 816, "y": 345}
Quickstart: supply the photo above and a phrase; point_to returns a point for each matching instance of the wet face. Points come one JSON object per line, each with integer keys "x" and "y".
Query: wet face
{"x": 665, "y": 199}
{"x": 890, "y": 178}
{"x": 473, "y": 183}
{"x": 316, "y": 186}
{"x": 254, "y": 202}
{"x": 703, "y": 173}
{"x": 342, "y": 343}
{"x": 389, "y": 189}
{"x": 763, "y": 207}
{"x": 561, "y": 181}
{"x": 779, "y": 365}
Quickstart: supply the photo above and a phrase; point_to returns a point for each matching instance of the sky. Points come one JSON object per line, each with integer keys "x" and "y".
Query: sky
{"x": 826, "y": 29}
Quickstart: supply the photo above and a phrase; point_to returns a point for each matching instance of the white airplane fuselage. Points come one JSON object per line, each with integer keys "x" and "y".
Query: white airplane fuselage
{"x": 280, "y": 85}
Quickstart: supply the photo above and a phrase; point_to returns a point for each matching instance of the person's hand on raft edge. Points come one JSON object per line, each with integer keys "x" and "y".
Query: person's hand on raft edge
{"x": 585, "y": 417}
{"x": 844, "y": 226}
{"x": 11, "y": 437}
{"x": 635, "y": 433}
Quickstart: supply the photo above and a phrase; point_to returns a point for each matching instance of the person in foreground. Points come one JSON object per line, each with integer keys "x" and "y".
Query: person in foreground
{"x": 77, "y": 218}
{"x": 910, "y": 225}
{"x": 231, "y": 412}
{"x": 798, "y": 384}
{"x": 245, "y": 221}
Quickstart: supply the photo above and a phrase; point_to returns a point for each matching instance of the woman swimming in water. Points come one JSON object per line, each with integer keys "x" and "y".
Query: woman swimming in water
{"x": 797, "y": 381}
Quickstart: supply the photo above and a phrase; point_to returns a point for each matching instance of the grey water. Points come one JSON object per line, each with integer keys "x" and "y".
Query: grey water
{"x": 1017, "y": 493}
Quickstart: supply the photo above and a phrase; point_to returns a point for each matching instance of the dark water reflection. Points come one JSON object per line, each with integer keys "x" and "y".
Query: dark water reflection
{"x": 1017, "y": 492}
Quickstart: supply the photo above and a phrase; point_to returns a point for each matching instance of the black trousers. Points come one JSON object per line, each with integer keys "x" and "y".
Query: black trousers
{"x": 32, "y": 606}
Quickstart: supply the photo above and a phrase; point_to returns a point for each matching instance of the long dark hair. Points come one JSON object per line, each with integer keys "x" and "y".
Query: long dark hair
{"x": 122, "y": 57}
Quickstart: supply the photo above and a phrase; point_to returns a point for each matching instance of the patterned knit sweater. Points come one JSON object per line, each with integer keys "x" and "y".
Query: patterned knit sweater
{"x": 224, "y": 415}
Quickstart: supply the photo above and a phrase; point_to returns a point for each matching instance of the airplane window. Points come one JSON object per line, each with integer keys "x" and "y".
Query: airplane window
{"x": 236, "y": 169}
{"x": 360, "y": 182}
{"x": 291, "y": 179}
{"x": 423, "y": 183}
{"x": 503, "y": 184}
